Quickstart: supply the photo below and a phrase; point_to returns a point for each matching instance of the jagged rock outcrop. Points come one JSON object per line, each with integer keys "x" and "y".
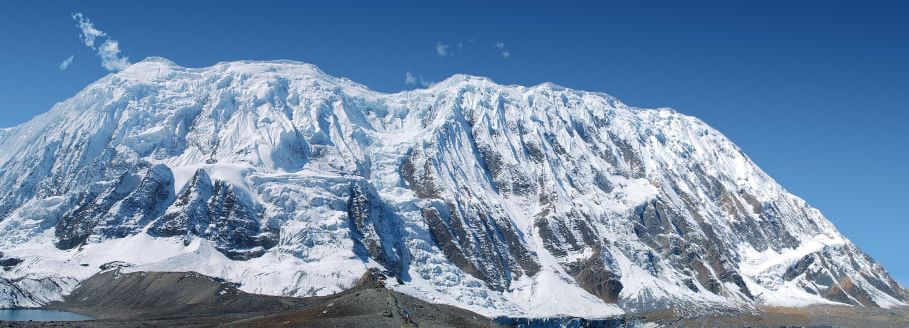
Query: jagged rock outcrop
{"x": 219, "y": 212}
{"x": 122, "y": 209}
{"x": 375, "y": 229}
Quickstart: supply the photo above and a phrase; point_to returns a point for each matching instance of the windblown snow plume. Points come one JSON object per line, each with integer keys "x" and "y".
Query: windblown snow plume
{"x": 506, "y": 200}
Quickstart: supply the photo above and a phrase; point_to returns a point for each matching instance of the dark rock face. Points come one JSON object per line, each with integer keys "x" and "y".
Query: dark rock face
{"x": 191, "y": 212}
{"x": 234, "y": 227}
{"x": 484, "y": 247}
{"x": 562, "y": 235}
{"x": 219, "y": 212}
{"x": 8, "y": 263}
{"x": 694, "y": 247}
{"x": 445, "y": 239}
{"x": 799, "y": 267}
{"x": 417, "y": 172}
{"x": 474, "y": 233}
{"x": 817, "y": 274}
{"x": 374, "y": 229}
{"x": 212, "y": 210}
{"x": 598, "y": 275}
{"x": 121, "y": 210}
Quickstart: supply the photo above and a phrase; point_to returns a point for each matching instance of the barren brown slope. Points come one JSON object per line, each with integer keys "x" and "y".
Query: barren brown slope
{"x": 188, "y": 299}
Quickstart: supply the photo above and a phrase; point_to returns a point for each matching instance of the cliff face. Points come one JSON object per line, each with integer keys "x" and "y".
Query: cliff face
{"x": 501, "y": 199}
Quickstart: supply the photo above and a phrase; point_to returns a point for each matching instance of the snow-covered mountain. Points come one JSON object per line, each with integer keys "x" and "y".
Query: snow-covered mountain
{"x": 506, "y": 200}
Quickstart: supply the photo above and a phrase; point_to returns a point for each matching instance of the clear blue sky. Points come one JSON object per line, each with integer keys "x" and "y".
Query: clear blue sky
{"x": 816, "y": 93}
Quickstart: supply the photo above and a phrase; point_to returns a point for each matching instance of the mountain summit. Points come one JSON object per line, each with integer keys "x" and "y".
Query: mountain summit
{"x": 505, "y": 200}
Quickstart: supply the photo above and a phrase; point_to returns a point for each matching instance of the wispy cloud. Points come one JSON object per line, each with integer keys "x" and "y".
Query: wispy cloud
{"x": 109, "y": 50}
{"x": 89, "y": 32}
{"x": 410, "y": 79}
{"x": 501, "y": 46}
{"x": 442, "y": 49}
{"x": 65, "y": 63}
{"x": 110, "y": 56}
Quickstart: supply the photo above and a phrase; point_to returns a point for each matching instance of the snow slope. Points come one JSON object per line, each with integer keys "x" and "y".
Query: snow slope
{"x": 506, "y": 200}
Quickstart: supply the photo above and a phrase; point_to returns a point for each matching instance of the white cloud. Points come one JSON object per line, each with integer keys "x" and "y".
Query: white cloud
{"x": 110, "y": 56}
{"x": 411, "y": 79}
{"x": 442, "y": 49}
{"x": 65, "y": 63}
{"x": 109, "y": 50}
{"x": 501, "y": 46}
{"x": 89, "y": 32}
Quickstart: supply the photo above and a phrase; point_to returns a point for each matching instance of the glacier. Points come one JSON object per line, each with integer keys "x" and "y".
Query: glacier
{"x": 504, "y": 200}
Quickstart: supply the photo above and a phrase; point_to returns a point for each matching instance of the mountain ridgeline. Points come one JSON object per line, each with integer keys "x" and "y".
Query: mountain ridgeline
{"x": 505, "y": 200}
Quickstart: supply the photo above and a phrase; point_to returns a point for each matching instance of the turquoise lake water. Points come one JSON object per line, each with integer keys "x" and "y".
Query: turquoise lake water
{"x": 40, "y": 315}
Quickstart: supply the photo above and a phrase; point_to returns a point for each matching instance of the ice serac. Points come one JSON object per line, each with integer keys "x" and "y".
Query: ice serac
{"x": 507, "y": 200}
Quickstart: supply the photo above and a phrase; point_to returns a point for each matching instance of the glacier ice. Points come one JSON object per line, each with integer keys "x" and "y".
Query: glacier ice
{"x": 506, "y": 200}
